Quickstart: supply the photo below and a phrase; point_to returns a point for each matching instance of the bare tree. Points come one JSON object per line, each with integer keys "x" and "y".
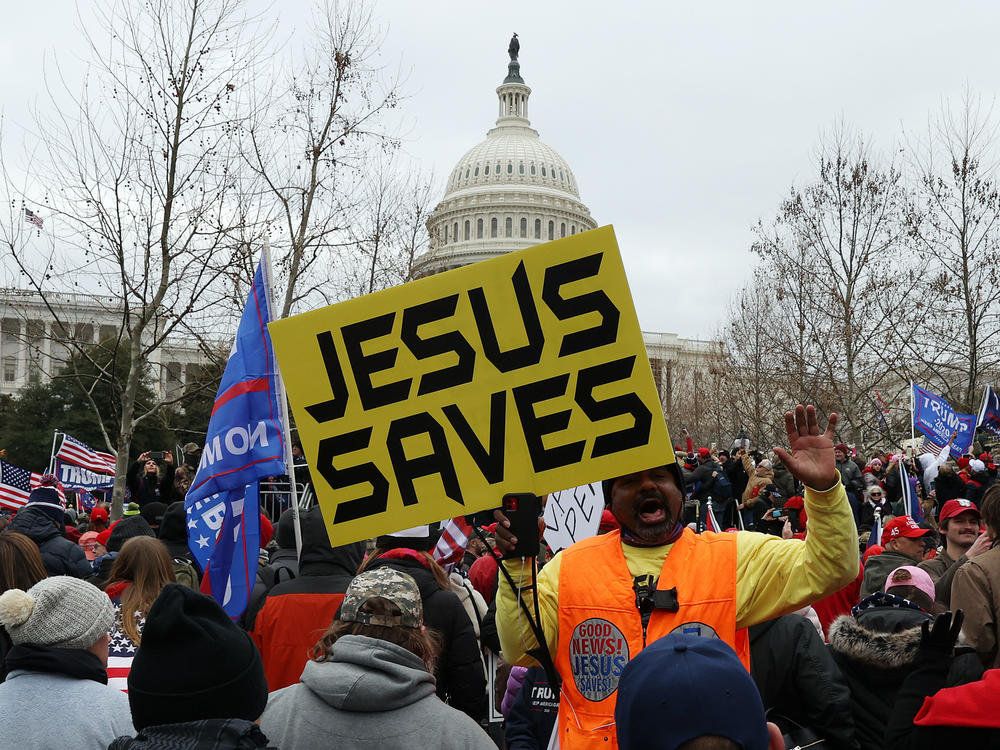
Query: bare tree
{"x": 956, "y": 225}
{"x": 754, "y": 366}
{"x": 311, "y": 146}
{"x": 138, "y": 179}
{"x": 834, "y": 253}
{"x": 388, "y": 229}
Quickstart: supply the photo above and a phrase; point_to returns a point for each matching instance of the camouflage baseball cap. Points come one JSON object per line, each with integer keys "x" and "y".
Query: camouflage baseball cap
{"x": 383, "y": 583}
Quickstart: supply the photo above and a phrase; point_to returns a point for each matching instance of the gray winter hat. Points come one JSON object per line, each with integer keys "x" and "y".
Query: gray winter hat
{"x": 61, "y": 611}
{"x": 383, "y": 583}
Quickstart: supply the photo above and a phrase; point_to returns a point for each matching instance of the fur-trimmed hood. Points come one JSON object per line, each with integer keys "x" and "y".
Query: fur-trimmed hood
{"x": 871, "y": 647}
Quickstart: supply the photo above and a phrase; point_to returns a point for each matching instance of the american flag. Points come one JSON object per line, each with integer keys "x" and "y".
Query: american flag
{"x": 121, "y": 651}
{"x": 454, "y": 539}
{"x": 72, "y": 451}
{"x": 32, "y": 218}
{"x": 17, "y": 483}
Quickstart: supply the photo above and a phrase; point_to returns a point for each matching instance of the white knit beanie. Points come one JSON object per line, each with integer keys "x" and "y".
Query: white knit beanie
{"x": 61, "y": 611}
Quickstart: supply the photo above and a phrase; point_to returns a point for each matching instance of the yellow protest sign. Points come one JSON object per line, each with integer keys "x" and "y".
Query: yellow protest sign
{"x": 524, "y": 373}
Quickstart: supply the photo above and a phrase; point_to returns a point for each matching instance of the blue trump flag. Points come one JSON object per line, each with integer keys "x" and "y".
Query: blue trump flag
{"x": 989, "y": 415}
{"x": 909, "y": 489}
{"x": 875, "y": 535}
{"x": 935, "y": 418}
{"x": 244, "y": 443}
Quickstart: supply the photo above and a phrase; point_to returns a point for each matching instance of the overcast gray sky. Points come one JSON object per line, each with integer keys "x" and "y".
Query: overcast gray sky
{"x": 683, "y": 122}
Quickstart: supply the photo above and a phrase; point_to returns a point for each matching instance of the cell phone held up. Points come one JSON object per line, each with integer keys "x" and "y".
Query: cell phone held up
{"x": 522, "y": 510}
{"x": 157, "y": 455}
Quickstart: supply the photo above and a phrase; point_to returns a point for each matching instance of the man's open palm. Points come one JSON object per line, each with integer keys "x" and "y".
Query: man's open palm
{"x": 811, "y": 459}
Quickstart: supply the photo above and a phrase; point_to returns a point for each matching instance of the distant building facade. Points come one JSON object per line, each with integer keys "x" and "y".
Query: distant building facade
{"x": 37, "y": 337}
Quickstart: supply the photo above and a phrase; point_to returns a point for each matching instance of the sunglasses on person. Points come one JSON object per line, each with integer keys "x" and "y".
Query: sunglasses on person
{"x": 876, "y": 494}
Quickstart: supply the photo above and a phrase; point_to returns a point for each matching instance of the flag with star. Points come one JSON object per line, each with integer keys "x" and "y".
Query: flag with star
{"x": 245, "y": 443}
{"x": 121, "y": 651}
{"x": 16, "y": 485}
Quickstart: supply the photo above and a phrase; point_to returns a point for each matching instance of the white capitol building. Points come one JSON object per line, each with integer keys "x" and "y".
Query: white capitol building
{"x": 512, "y": 191}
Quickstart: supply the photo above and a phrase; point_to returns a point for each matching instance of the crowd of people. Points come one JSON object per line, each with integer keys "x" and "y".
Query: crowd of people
{"x": 738, "y": 598}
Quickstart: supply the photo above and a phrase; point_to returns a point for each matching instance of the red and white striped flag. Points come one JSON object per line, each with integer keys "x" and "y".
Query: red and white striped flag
{"x": 454, "y": 539}
{"x": 17, "y": 483}
{"x": 711, "y": 524}
{"x": 72, "y": 451}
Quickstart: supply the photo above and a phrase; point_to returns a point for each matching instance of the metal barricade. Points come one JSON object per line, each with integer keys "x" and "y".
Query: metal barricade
{"x": 276, "y": 496}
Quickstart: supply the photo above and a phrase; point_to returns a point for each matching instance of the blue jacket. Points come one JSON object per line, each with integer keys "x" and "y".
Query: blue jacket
{"x": 531, "y": 718}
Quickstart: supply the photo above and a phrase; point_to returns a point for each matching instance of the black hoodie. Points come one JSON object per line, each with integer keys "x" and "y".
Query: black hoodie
{"x": 173, "y": 532}
{"x": 296, "y": 613}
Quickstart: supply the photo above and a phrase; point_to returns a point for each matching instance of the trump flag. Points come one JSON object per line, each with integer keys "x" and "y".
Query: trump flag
{"x": 244, "y": 443}
{"x": 989, "y": 415}
{"x": 934, "y": 417}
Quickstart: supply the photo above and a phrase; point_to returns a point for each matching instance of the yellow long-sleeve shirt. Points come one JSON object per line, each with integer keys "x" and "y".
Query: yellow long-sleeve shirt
{"x": 774, "y": 576}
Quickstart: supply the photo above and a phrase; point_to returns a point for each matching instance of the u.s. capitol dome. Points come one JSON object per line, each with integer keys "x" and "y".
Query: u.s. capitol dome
{"x": 510, "y": 191}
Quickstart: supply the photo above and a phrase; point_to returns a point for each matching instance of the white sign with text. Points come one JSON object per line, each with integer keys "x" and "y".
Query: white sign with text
{"x": 572, "y": 515}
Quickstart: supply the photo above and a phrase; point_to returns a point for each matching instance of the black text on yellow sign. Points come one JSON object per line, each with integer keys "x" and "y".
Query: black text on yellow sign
{"x": 523, "y": 373}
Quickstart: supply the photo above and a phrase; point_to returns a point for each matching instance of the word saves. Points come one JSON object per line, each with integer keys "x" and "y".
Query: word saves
{"x": 532, "y": 372}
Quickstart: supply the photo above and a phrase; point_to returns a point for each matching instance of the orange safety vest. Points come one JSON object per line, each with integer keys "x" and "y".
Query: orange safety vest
{"x": 600, "y": 627}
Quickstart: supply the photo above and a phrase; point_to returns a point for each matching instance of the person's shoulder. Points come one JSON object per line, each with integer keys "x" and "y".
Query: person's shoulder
{"x": 986, "y": 565}
{"x": 458, "y": 729}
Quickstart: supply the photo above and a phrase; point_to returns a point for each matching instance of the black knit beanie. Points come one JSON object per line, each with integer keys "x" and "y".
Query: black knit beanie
{"x": 125, "y": 529}
{"x": 47, "y": 500}
{"x": 424, "y": 542}
{"x": 153, "y": 513}
{"x": 194, "y": 663}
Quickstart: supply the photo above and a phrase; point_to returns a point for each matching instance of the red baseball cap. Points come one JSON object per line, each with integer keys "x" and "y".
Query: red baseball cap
{"x": 953, "y": 507}
{"x": 902, "y": 526}
{"x": 704, "y": 452}
{"x": 99, "y": 513}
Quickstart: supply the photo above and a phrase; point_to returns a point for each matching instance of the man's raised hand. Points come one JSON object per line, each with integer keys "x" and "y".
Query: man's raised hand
{"x": 811, "y": 459}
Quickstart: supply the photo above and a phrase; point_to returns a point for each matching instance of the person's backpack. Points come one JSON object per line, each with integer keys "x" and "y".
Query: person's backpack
{"x": 184, "y": 573}
{"x": 722, "y": 489}
{"x": 272, "y": 576}
{"x": 474, "y": 605}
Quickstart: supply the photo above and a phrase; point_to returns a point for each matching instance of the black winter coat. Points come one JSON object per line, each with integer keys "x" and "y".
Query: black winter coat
{"x": 150, "y": 489}
{"x": 875, "y": 653}
{"x": 59, "y": 555}
{"x": 930, "y": 675}
{"x": 977, "y": 486}
{"x": 948, "y": 487}
{"x": 459, "y": 672}
{"x": 867, "y": 513}
{"x": 737, "y": 476}
{"x": 798, "y": 679}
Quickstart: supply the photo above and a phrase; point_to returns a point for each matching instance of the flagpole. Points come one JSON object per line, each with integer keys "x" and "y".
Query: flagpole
{"x": 913, "y": 411}
{"x": 52, "y": 453}
{"x": 285, "y": 426}
{"x": 982, "y": 409}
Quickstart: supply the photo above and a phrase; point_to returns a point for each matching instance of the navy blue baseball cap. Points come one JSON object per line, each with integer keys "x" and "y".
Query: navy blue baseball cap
{"x": 685, "y": 686}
